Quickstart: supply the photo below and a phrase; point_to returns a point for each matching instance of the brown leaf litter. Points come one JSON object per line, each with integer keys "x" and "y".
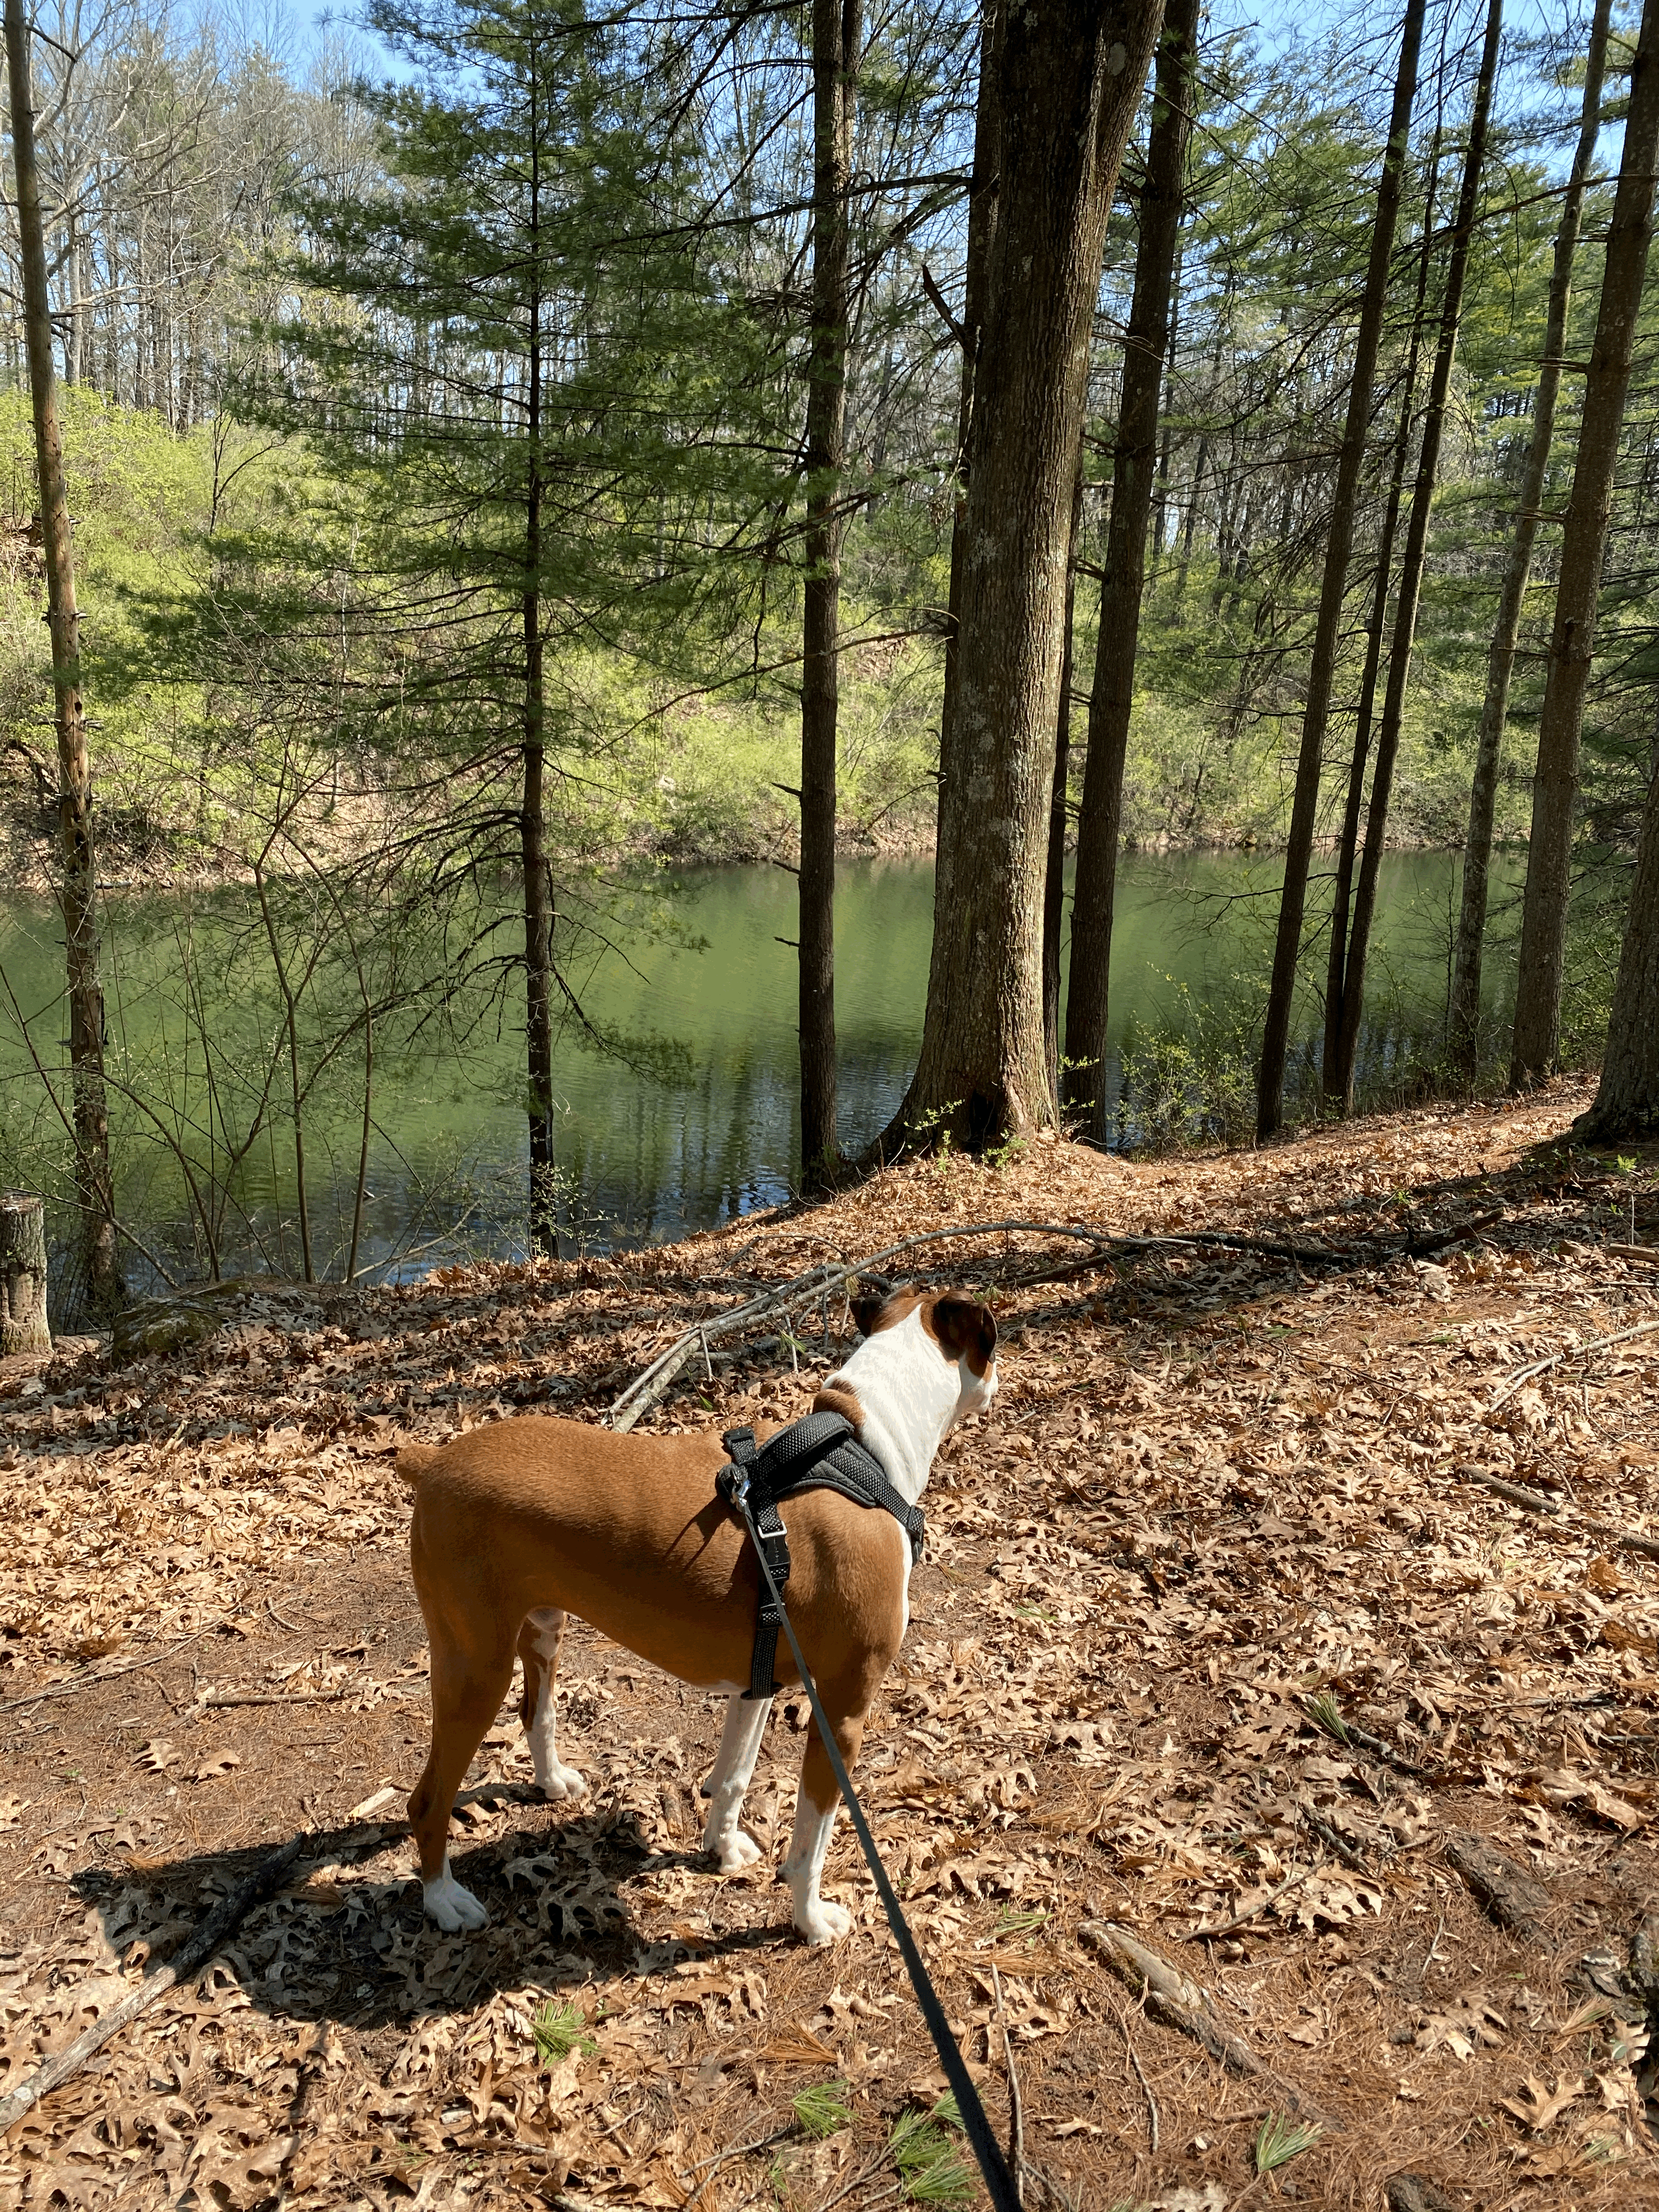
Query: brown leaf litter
{"x": 1221, "y": 1627}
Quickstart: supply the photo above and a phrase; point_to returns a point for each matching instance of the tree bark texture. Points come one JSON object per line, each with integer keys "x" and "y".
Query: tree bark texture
{"x": 836, "y": 39}
{"x": 1463, "y": 1017}
{"x": 984, "y": 200}
{"x": 538, "y": 980}
{"x": 1069, "y": 82}
{"x": 23, "y": 1275}
{"x": 1354, "y": 806}
{"x": 1627, "y": 1098}
{"x": 1412, "y": 562}
{"x": 1053, "y": 886}
{"x": 1333, "y": 584}
{"x": 78, "y": 893}
{"x": 1135, "y": 462}
{"x": 1572, "y": 641}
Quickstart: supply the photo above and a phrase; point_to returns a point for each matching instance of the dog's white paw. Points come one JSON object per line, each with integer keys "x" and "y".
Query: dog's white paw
{"x": 735, "y": 1850}
{"x": 821, "y": 1920}
{"x": 559, "y": 1781}
{"x": 452, "y": 1905}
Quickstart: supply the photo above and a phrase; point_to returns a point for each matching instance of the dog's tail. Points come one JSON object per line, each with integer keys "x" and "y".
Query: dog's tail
{"x": 413, "y": 1460}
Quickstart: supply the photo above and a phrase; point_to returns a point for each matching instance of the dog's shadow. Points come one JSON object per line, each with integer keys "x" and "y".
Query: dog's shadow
{"x": 346, "y": 1938}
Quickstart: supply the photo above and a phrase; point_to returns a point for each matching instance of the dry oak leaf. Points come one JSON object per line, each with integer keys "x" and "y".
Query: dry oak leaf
{"x": 216, "y": 1764}
{"x": 12, "y": 1810}
{"x": 158, "y": 1754}
{"x": 1536, "y": 2105}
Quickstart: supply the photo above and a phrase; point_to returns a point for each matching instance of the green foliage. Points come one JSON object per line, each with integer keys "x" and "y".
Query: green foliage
{"x": 821, "y": 2108}
{"x": 558, "y": 2029}
{"x": 1280, "y": 2139}
{"x": 931, "y": 2168}
{"x": 1189, "y": 1078}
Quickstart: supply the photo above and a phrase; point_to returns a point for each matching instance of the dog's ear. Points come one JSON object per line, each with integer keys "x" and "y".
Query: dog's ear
{"x": 966, "y": 1331}
{"x": 867, "y": 1312}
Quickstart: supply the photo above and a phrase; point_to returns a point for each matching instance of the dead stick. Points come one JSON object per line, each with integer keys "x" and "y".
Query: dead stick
{"x": 1648, "y": 1253}
{"x": 271, "y": 1698}
{"x": 226, "y": 1915}
{"x": 90, "y": 1680}
{"x": 1550, "y": 1509}
{"x": 1242, "y": 1919}
{"x": 1146, "y": 2086}
{"x": 1169, "y": 1996}
{"x": 1573, "y": 1351}
{"x": 1016, "y": 2116}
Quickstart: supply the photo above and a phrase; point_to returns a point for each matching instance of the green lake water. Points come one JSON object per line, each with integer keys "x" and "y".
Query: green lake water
{"x": 704, "y": 1128}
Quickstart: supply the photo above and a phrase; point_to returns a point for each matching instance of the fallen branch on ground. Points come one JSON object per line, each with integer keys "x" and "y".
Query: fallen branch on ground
{"x": 1507, "y": 1891}
{"x": 1573, "y": 1351}
{"x": 226, "y": 1916}
{"x": 1169, "y": 1996}
{"x": 1252, "y": 1912}
{"x": 1552, "y": 1509}
{"x": 93, "y": 1677}
{"x": 1649, "y": 1254}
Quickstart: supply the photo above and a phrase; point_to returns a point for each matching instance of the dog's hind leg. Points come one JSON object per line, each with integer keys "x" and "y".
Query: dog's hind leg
{"x": 538, "y": 1651}
{"x": 817, "y": 1800}
{"x": 467, "y": 1689}
{"x": 727, "y": 1786}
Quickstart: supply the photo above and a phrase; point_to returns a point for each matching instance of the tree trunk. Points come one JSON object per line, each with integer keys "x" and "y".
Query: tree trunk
{"x": 1463, "y": 1014}
{"x": 984, "y": 200}
{"x": 1134, "y": 463}
{"x": 1322, "y": 672}
{"x": 1347, "y": 849}
{"x": 836, "y": 39}
{"x": 1054, "y": 887}
{"x": 78, "y": 895}
{"x": 539, "y": 982}
{"x": 1413, "y": 562}
{"x": 23, "y": 1275}
{"x": 1069, "y": 80}
{"x": 1627, "y": 1098}
{"x": 1572, "y": 642}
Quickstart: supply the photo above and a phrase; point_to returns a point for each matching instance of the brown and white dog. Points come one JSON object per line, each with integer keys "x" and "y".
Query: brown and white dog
{"x": 517, "y": 1524}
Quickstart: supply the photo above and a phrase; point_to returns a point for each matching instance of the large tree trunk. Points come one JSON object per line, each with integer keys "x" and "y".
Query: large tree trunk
{"x": 538, "y": 981}
{"x": 1327, "y": 631}
{"x": 1572, "y": 642}
{"x": 837, "y": 38}
{"x": 23, "y": 1275}
{"x": 1069, "y": 81}
{"x": 1134, "y": 458}
{"x": 1627, "y": 1098}
{"x": 1412, "y": 562}
{"x": 78, "y": 894}
{"x": 1463, "y": 1015}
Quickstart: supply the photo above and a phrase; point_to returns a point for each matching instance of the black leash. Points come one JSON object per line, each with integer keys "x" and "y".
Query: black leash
{"x": 999, "y": 2182}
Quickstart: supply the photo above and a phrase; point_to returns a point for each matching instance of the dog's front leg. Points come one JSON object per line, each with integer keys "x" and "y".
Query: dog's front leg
{"x": 819, "y": 1920}
{"x": 728, "y": 1785}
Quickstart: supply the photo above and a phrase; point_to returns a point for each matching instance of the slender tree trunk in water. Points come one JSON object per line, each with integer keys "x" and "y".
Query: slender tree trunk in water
{"x": 1053, "y": 889}
{"x": 1463, "y": 1015}
{"x": 532, "y": 829}
{"x": 1069, "y": 80}
{"x": 78, "y": 895}
{"x": 837, "y": 38}
{"x": 1134, "y": 462}
{"x": 1627, "y": 1096}
{"x": 1412, "y": 563}
{"x": 1322, "y": 672}
{"x": 1348, "y": 847}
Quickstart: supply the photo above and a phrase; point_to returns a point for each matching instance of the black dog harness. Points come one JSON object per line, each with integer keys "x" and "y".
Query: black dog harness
{"x": 820, "y": 1453}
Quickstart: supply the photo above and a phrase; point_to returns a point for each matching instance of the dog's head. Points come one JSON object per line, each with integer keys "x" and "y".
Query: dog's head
{"x": 964, "y": 1331}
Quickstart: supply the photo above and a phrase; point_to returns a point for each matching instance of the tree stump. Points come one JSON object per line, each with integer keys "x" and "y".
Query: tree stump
{"x": 23, "y": 1274}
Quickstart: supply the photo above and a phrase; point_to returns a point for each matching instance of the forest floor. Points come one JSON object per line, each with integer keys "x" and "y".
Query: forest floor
{"x": 1219, "y": 1492}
